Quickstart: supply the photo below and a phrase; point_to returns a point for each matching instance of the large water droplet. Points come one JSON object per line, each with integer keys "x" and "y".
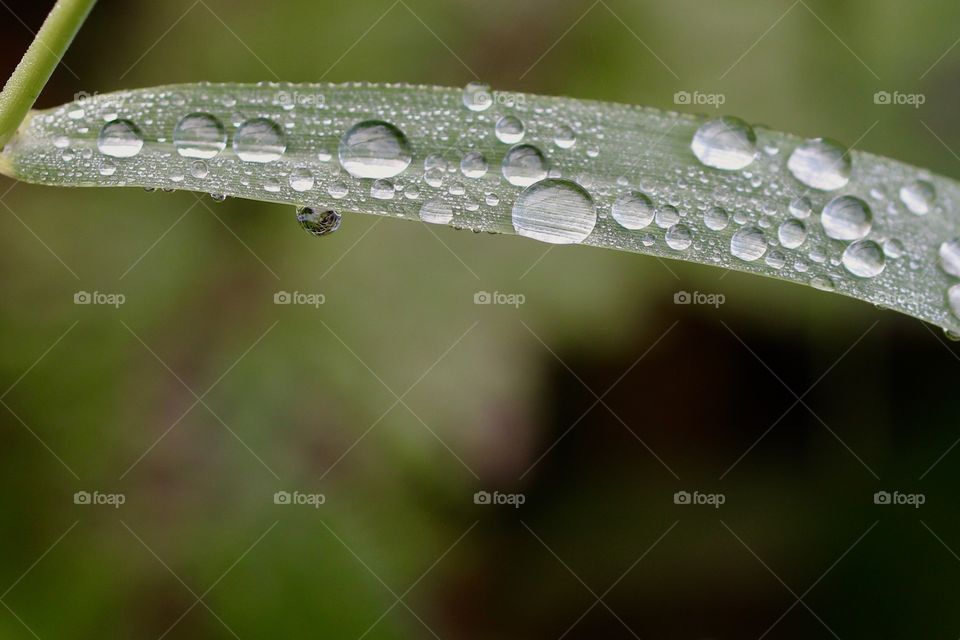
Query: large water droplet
{"x": 725, "y": 143}
{"x": 555, "y": 211}
{"x": 509, "y": 129}
{"x": 749, "y": 244}
{"x": 474, "y": 165}
{"x": 950, "y": 257}
{"x": 716, "y": 219}
{"x": 792, "y": 234}
{"x": 301, "y": 179}
{"x": 846, "y": 218}
{"x": 864, "y": 259}
{"x": 679, "y": 237}
{"x": 436, "y": 212}
{"x": 523, "y": 165}
{"x": 821, "y": 164}
{"x": 120, "y": 139}
{"x": 953, "y": 299}
{"x": 919, "y": 197}
{"x": 259, "y": 140}
{"x": 633, "y": 210}
{"x": 374, "y": 149}
{"x": 667, "y": 216}
{"x": 199, "y": 135}
{"x": 319, "y": 222}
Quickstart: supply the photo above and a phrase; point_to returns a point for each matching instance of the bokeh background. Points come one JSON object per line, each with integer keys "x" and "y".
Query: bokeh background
{"x": 199, "y": 399}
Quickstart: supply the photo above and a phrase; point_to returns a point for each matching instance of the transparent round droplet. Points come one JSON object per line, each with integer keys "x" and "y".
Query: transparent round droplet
{"x": 725, "y": 143}
{"x": 776, "y": 260}
{"x": 679, "y": 237}
{"x": 953, "y": 299}
{"x": 301, "y": 179}
{"x": 821, "y": 164}
{"x": 436, "y": 212}
{"x": 555, "y": 211}
{"x": 523, "y": 165}
{"x": 477, "y": 96}
{"x": 893, "y": 248}
{"x": 509, "y": 129}
{"x": 792, "y": 234}
{"x": 374, "y": 149}
{"x": 918, "y": 196}
{"x": 491, "y": 199}
{"x": 950, "y": 257}
{"x": 716, "y": 218}
{"x": 801, "y": 208}
{"x": 199, "y": 135}
{"x": 120, "y": 139}
{"x": 382, "y": 190}
{"x": 847, "y": 218}
{"x": 748, "y": 244}
{"x": 823, "y": 283}
{"x": 199, "y": 169}
{"x": 108, "y": 168}
{"x": 317, "y": 221}
{"x": 564, "y": 136}
{"x": 864, "y": 259}
{"x": 667, "y": 216}
{"x": 338, "y": 190}
{"x": 633, "y": 210}
{"x": 474, "y": 165}
{"x": 259, "y": 140}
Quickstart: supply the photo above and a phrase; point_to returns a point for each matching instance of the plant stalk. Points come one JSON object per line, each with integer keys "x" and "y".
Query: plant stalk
{"x": 31, "y": 75}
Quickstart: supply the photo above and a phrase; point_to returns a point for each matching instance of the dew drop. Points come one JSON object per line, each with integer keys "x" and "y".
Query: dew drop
{"x": 491, "y": 199}
{"x": 633, "y": 210}
{"x": 864, "y": 259}
{"x": 382, "y": 190}
{"x": 199, "y": 135}
{"x": 776, "y": 260}
{"x": 716, "y": 219}
{"x": 199, "y": 169}
{"x": 555, "y": 211}
{"x": 259, "y": 140}
{"x": 801, "y": 208}
{"x": 748, "y": 244}
{"x": 564, "y": 137}
{"x": 318, "y": 222}
{"x": 792, "y": 234}
{"x": 893, "y": 248}
{"x": 667, "y": 216}
{"x": 523, "y": 165}
{"x": 950, "y": 257}
{"x": 953, "y": 298}
{"x": 477, "y": 96}
{"x": 821, "y": 164}
{"x": 120, "y": 139}
{"x": 108, "y": 168}
{"x": 918, "y": 196}
{"x": 436, "y": 212}
{"x": 301, "y": 179}
{"x": 846, "y": 218}
{"x": 474, "y": 165}
{"x": 374, "y": 149}
{"x": 338, "y": 190}
{"x": 725, "y": 143}
{"x": 679, "y": 237}
{"x": 509, "y": 129}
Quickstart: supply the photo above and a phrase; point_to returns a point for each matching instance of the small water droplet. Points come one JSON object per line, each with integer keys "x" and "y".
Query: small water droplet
{"x": 108, "y": 168}
{"x": 318, "y": 222}
{"x": 564, "y": 137}
{"x": 523, "y": 165}
{"x": 382, "y": 190}
{"x": 259, "y": 140}
{"x": 846, "y": 218}
{"x": 893, "y": 248}
{"x": 864, "y": 259}
{"x": 509, "y": 129}
{"x": 801, "y": 208}
{"x": 823, "y": 283}
{"x": 120, "y": 139}
{"x": 491, "y": 199}
{"x": 792, "y": 234}
{"x": 270, "y": 185}
{"x": 477, "y": 96}
{"x": 338, "y": 190}
{"x": 679, "y": 237}
{"x": 555, "y": 211}
{"x": 633, "y": 210}
{"x": 667, "y": 216}
{"x": 953, "y": 298}
{"x": 950, "y": 257}
{"x": 436, "y": 212}
{"x": 199, "y": 169}
{"x": 821, "y": 164}
{"x": 474, "y": 165}
{"x": 918, "y": 196}
{"x": 374, "y": 149}
{"x": 776, "y": 260}
{"x": 726, "y": 143}
{"x": 716, "y": 219}
{"x": 301, "y": 179}
{"x": 199, "y": 135}
{"x": 748, "y": 244}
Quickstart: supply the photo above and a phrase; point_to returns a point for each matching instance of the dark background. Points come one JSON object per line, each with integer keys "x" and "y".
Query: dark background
{"x": 708, "y": 402}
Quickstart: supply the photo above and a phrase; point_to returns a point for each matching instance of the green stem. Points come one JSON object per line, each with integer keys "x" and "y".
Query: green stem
{"x": 31, "y": 75}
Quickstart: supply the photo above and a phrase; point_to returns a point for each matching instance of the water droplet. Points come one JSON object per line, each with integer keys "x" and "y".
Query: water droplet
{"x": 509, "y": 129}
{"x": 821, "y": 164}
{"x": 564, "y": 137}
{"x": 919, "y": 197}
{"x": 823, "y": 283}
{"x": 953, "y": 298}
{"x": 318, "y": 222}
{"x": 792, "y": 234}
{"x": 120, "y": 139}
{"x": 725, "y": 143}
{"x": 801, "y": 208}
{"x": 523, "y": 165}
{"x": 199, "y": 169}
{"x": 108, "y": 168}
{"x": 667, "y": 216}
{"x": 748, "y": 244}
{"x": 199, "y": 135}
{"x": 893, "y": 248}
{"x": 436, "y": 212}
{"x": 477, "y": 96}
{"x": 864, "y": 259}
{"x": 776, "y": 260}
{"x": 382, "y": 190}
{"x": 679, "y": 237}
{"x": 375, "y": 149}
{"x": 474, "y": 165}
{"x": 716, "y": 218}
{"x": 633, "y": 210}
{"x": 846, "y": 218}
{"x": 555, "y": 211}
{"x": 259, "y": 140}
{"x": 950, "y": 257}
{"x": 61, "y": 142}
{"x": 338, "y": 190}
{"x": 491, "y": 199}
{"x": 301, "y": 179}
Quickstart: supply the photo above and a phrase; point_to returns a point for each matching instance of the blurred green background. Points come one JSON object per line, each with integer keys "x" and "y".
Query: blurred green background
{"x": 199, "y": 398}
